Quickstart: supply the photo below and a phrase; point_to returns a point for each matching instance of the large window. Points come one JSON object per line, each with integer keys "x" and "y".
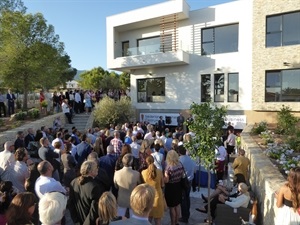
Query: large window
{"x": 219, "y": 87}
{"x": 151, "y": 90}
{"x": 283, "y": 86}
{"x": 205, "y": 88}
{"x": 125, "y": 48}
{"x": 154, "y": 44}
{"x": 220, "y": 39}
{"x": 233, "y": 87}
{"x": 283, "y": 30}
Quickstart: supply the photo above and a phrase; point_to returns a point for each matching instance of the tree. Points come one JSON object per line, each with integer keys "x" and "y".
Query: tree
{"x": 207, "y": 126}
{"x": 99, "y": 78}
{"x": 12, "y": 5}
{"x": 125, "y": 80}
{"x": 109, "y": 111}
{"x": 31, "y": 55}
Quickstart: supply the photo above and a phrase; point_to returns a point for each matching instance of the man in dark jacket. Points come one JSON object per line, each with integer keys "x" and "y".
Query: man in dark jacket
{"x": 84, "y": 195}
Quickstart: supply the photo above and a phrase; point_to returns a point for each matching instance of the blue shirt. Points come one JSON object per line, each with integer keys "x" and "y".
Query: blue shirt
{"x": 189, "y": 166}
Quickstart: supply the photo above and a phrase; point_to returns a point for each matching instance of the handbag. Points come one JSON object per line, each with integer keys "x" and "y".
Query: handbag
{"x": 185, "y": 183}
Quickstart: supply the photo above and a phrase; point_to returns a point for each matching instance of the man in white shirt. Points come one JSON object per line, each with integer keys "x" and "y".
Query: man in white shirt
{"x": 7, "y": 158}
{"x": 66, "y": 110}
{"x": 45, "y": 183}
{"x": 77, "y": 102}
{"x": 149, "y": 135}
{"x": 58, "y": 138}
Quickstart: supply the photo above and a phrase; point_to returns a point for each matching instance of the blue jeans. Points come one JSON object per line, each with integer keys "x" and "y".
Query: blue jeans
{"x": 186, "y": 204}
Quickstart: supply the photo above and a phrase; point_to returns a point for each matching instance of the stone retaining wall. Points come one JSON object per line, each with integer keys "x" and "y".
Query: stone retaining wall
{"x": 265, "y": 178}
{"x": 10, "y": 135}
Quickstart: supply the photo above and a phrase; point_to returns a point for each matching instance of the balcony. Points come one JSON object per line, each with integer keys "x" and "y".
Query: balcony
{"x": 148, "y": 56}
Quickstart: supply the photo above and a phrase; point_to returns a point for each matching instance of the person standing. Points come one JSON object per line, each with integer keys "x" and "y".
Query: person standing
{"x": 189, "y": 167}
{"x": 161, "y": 124}
{"x": 288, "y": 200}
{"x": 10, "y": 102}
{"x": 77, "y": 102}
{"x": 180, "y": 120}
{"x": 84, "y": 195}
{"x": 2, "y": 105}
{"x": 66, "y": 110}
{"x": 241, "y": 164}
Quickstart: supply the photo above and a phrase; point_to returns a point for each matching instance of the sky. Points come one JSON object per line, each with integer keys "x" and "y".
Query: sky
{"x": 81, "y": 24}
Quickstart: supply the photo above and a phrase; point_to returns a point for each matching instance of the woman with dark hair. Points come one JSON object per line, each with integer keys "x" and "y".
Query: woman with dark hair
{"x": 154, "y": 178}
{"x": 288, "y": 200}
{"x": 125, "y": 149}
{"x": 21, "y": 209}
{"x": 84, "y": 195}
{"x": 6, "y": 195}
{"x": 98, "y": 147}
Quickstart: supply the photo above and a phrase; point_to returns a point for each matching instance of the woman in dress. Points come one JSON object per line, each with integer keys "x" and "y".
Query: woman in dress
{"x": 21, "y": 209}
{"x": 154, "y": 178}
{"x": 107, "y": 209}
{"x": 174, "y": 171}
{"x": 88, "y": 102}
{"x": 288, "y": 200}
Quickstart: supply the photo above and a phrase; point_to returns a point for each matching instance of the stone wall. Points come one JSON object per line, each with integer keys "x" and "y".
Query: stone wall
{"x": 265, "y": 178}
{"x": 10, "y": 135}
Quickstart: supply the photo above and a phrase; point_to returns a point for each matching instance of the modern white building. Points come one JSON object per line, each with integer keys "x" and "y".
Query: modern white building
{"x": 225, "y": 52}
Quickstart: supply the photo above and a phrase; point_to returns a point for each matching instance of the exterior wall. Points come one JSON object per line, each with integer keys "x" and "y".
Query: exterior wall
{"x": 183, "y": 82}
{"x": 270, "y": 58}
{"x": 265, "y": 179}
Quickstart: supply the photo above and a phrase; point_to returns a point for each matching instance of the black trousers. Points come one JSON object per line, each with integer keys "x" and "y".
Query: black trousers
{"x": 2, "y": 107}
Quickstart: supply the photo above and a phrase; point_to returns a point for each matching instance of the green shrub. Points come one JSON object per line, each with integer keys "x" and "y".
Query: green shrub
{"x": 294, "y": 141}
{"x": 259, "y": 128}
{"x": 109, "y": 111}
{"x": 33, "y": 113}
{"x": 20, "y": 115}
{"x": 286, "y": 121}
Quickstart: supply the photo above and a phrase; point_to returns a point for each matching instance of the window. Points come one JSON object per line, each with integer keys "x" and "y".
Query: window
{"x": 220, "y": 39}
{"x": 154, "y": 44}
{"x": 125, "y": 48}
{"x": 151, "y": 90}
{"x": 219, "y": 87}
{"x": 283, "y": 30}
{"x": 283, "y": 86}
{"x": 205, "y": 88}
{"x": 233, "y": 87}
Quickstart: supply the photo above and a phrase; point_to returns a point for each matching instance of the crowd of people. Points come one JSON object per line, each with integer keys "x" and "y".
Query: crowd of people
{"x": 129, "y": 174}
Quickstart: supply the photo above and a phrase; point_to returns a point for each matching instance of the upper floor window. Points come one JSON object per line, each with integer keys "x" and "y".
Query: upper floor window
{"x": 205, "y": 88}
{"x": 283, "y": 30}
{"x": 221, "y": 39}
{"x": 283, "y": 86}
{"x": 151, "y": 90}
{"x": 219, "y": 87}
{"x": 233, "y": 87}
{"x": 125, "y": 48}
{"x": 154, "y": 44}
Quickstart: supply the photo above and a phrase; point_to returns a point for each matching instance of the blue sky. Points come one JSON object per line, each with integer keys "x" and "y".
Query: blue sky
{"x": 81, "y": 24}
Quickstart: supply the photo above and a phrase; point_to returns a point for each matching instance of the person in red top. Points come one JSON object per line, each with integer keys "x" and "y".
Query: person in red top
{"x": 42, "y": 98}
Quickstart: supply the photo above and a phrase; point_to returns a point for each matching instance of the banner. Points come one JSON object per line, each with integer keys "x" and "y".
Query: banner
{"x": 153, "y": 118}
{"x": 237, "y": 121}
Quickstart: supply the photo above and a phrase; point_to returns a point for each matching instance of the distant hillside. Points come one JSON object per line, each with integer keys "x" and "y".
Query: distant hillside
{"x": 78, "y": 74}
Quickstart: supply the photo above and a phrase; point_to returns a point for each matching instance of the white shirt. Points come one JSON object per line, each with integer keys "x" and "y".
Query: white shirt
{"x": 158, "y": 158}
{"x": 231, "y": 139}
{"x": 240, "y": 201}
{"x": 221, "y": 153}
{"x": 65, "y": 108}
{"x": 59, "y": 140}
{"x": 135, "y": 149}
{"x": 77, "y": 97}
{"x": 18, "y": 175}
{"x": 148, "y": 136}
{"x": 7, "y": 159}
{"x": 45, "y": 185}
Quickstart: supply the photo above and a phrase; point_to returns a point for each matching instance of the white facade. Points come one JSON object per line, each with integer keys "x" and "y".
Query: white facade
{"x": 182, "y": 69}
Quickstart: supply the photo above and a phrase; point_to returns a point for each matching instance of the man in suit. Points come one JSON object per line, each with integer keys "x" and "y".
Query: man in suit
{"x": 125, "y": 180}
{"x": 180, "y": 120}
{"x": 141, "y": 202}
{"x": 10, "y": 102}
{"x": 161, "y": 124}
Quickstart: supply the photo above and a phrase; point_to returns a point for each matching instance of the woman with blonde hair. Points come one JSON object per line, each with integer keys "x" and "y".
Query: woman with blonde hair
{"x": 154, "y": 178}
{"x": 107, "y": 209}
{"x": 145, "y": 151}
{"x": 288, "y": 200}
{"x": 174, "y": 171}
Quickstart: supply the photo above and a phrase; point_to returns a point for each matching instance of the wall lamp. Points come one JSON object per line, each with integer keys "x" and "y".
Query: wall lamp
{"x": 218, "y": 70}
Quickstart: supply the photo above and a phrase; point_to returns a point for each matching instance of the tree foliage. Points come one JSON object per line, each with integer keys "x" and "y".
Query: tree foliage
{"x": 207, "y": 126}
{"x": 99, "y": 78}
{"x": 31, "y": 54}
{"x": 109, "y": 111}
{"x": 12, "y": 5}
